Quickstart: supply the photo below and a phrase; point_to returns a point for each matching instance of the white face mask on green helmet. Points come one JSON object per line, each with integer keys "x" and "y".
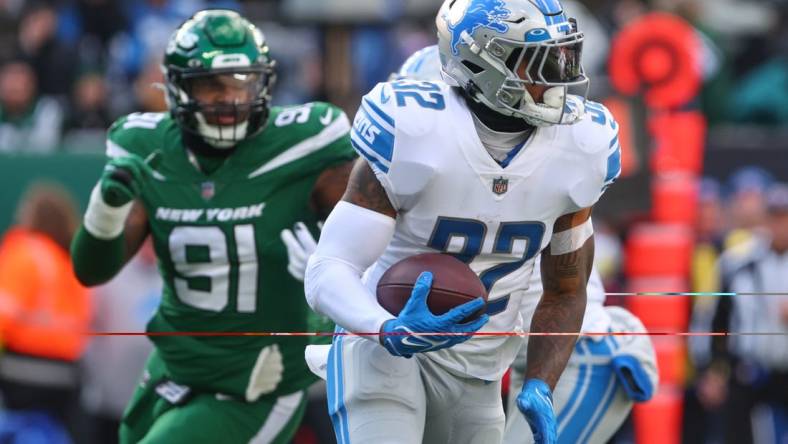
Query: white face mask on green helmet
{"x": 495, "y": 48}
{"x": 219, "y": 76}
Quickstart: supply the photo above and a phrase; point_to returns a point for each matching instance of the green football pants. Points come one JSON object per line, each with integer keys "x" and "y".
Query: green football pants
{"x": 207, "y": 417}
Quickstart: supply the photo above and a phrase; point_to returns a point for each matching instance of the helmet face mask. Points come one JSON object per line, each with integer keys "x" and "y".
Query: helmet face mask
{"x": 499, "y": 49}
{"x": 219, "y": 77}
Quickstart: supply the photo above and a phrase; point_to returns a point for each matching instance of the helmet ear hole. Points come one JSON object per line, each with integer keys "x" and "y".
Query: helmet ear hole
{"x": 476, "y": 69}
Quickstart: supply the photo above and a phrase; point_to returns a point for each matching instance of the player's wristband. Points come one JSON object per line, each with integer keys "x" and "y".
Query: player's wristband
{"x": 570, "y": 240}
{"x": 103, "y": 220}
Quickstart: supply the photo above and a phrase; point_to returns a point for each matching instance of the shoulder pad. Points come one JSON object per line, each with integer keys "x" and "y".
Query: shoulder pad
{"x": 301, "y": 131}
{"x": 596, "y": 137}
{"x": 309, "y": 119}
{"x": 387, "y": 130}
{"x": 406, "y": 107}
{"x": 374, "y": 128}
{"x": 597, "y": 129}
{"x": 135, "y": 133}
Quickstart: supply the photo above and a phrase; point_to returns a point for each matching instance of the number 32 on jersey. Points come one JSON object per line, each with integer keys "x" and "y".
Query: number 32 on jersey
{"x": 472, "y": 234}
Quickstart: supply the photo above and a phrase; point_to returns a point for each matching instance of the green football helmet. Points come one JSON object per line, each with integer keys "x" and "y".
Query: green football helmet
{"x": 218, "y": 76}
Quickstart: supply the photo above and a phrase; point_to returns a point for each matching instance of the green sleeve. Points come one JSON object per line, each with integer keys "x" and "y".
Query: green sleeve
{"x": 95, "y": 260}
{"x": 137, "y": 133}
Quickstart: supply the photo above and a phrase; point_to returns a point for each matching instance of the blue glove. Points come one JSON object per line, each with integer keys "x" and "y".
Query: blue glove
{"x": 633, "y": 378}
{"x": 415, "y": 317}
{"x": 535, "y": 401}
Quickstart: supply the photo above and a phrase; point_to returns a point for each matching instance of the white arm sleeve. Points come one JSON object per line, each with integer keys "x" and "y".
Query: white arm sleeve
{"x": 351, "y": 241}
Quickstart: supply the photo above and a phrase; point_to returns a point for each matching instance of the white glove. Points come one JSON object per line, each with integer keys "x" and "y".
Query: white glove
{"x": 267, "y": 373}
{"x": 553, "y": 110}
{"x": 300, "y": 245}
{"x": 316, "y": 357}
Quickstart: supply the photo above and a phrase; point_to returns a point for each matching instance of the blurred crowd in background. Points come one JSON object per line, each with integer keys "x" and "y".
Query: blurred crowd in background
{"x": 79, "y": 64}
{"x": 68, "y": 68}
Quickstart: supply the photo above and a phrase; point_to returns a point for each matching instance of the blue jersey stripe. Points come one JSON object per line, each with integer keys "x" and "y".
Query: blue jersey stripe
{"x": 598, "y": 348}
{"x": 374, "y": 160}
{"x": 332, "y": 384}
{"x": 613, "y": 165}
{"x": 513, "y": 153}
{"x": 497, "y": 306}
{"x": 574, "y": 397}
{"x": 386, "y": 118}
{"x": 367, "y": 129}
{"x": 363, "y": 145}
{"x": 342, "y": 408}
{"x": 601, "y": 376}
{"x": 610, "y": 393}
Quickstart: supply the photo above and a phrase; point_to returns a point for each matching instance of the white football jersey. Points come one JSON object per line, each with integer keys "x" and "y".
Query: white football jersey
{"x": 451, "y": 196}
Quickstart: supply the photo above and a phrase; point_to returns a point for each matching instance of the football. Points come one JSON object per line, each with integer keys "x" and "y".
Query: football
{"x": 453, "y": 284}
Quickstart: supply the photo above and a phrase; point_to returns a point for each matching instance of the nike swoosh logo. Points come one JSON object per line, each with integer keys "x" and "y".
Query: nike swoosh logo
{"x": 409, "y": 340}
{"x": 383, "y": 97}
{"x": 325, "y": 120}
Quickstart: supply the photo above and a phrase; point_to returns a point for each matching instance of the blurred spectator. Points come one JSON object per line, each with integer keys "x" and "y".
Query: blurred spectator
{"x": 9, "y": 18}
{"x": 748, "y": 375}
{"x": 28, "y": 122}
{"x": 149, "y": 89}
{"x": 746, "y": 204}
{"x": 709, "y": 234}
{"x": 709, "y": 237}
{"x": 626, "y": 11}
{"x": 150, "y": 24}
{"x": 44, "y": 312}
{"x": 113, "y": 365}
{"x": 90, "y": 26}
{"x": 53, "y": 62}
{"x": 608, "y": 255}
{"x": 89, "y": 117}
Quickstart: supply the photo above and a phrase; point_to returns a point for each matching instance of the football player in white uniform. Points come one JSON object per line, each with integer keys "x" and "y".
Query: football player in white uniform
{"x": 604, "y": 375}
{"x": 503, "y": 167}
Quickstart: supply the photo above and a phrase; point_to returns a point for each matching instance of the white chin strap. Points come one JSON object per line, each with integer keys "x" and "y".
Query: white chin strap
{"x": 213, "y": 133}
{"x": 558, "y": 108}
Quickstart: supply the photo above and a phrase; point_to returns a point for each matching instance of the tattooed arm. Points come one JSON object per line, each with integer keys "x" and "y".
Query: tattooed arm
{"x": 364, "y": 190}
{"x": 564, "y": 278}
{"x": 561, "y": 309}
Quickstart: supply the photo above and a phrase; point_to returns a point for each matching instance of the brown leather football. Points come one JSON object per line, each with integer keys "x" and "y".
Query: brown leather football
{"x": 453, "y": 283}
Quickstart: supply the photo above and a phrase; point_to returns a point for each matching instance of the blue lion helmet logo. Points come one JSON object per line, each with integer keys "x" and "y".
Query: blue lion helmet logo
{"x": 479, "y": 14}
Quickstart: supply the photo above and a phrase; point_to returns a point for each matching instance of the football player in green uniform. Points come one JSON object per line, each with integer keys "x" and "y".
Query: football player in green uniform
{"x": 214, "y": 182}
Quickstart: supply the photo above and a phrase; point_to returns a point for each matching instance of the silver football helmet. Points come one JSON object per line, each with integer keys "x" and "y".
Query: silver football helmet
{"x": 494, "y": 48}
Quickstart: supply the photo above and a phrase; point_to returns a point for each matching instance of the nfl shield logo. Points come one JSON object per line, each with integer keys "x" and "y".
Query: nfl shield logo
{"x": 500, "y": 186}
{"x": 207, "y": 190}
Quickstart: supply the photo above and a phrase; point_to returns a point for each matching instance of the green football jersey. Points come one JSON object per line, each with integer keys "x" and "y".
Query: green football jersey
{"x": 217, "y": 237}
